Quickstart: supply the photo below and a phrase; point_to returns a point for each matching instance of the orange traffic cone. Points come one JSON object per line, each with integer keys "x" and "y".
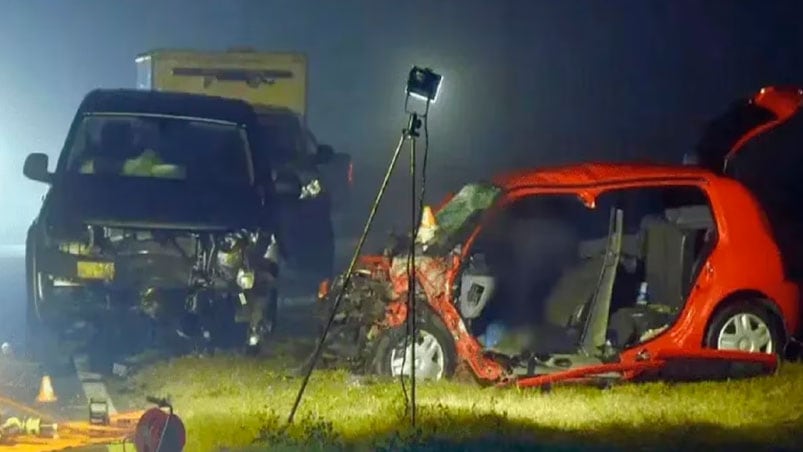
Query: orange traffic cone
{"x": 426, "y": 231}
{"x": 428, "y": 218}
{"x": 46, "y": 392}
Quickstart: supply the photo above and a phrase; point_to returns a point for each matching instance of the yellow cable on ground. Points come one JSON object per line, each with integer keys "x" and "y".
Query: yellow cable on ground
{"x": 25, "y": 408}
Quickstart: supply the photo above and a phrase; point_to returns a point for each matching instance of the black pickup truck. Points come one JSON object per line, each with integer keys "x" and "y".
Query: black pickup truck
{"x": 166, "y": 205}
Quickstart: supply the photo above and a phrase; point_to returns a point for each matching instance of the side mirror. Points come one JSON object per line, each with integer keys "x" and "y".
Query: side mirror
{"x": 287, "y": 185}
{"x": 324, "y": 154}
{"x": 35, "y": 168}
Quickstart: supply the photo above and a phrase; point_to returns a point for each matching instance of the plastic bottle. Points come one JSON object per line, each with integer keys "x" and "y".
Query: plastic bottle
{"x": 643, "y": 295}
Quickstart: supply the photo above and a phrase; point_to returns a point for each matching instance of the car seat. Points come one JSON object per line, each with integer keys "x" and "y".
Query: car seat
{"x": 115, "y": 147}
{"x": 673, "y": 251}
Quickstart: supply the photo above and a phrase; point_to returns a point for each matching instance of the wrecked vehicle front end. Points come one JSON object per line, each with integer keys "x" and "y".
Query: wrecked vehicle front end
{"x": 368, "y": 331}
{"x": 177, "y": 278}
{"x": 361, "y": 316}
{"x": 158, "y": 210}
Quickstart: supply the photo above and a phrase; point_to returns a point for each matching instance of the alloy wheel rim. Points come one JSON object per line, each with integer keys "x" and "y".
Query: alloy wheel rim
{"x": 430, "y": 360}
{"x": 746, "y": 332}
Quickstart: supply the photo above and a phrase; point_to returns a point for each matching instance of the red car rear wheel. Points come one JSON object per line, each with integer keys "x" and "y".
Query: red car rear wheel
{"x": 745, "y": 326}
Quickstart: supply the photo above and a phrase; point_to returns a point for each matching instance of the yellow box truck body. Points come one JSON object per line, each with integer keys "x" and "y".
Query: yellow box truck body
{"x": 261, "y": 78}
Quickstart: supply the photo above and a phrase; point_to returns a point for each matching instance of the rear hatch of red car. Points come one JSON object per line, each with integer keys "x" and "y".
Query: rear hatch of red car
{"x": 728, "y": 135}
{"x": 759, "y": 142}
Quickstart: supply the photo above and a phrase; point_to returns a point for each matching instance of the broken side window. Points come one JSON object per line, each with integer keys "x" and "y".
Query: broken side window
{"x": 460, "y": 215}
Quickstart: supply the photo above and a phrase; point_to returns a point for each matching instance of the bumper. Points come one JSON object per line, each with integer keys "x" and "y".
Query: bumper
{"x": 124, "y": 272}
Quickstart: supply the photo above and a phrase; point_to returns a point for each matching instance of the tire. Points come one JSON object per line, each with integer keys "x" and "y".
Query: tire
{"x": 390, "y": 346}
{"x": 41, "y": 342}
{"x": 33, "y": 319}
{"x": 767, "y": 332}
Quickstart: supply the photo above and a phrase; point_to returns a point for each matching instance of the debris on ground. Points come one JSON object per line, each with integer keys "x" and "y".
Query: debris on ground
{"x": 119, "y": 370}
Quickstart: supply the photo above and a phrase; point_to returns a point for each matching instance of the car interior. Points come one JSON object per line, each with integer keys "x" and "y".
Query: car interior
{"x": 581, "y": 294}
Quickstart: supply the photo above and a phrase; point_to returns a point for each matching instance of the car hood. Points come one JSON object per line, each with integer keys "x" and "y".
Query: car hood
{"x": 150, "y": 203}
{"x": 747, "y": 118}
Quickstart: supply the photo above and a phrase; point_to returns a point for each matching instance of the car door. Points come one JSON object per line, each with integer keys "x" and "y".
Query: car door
{"x": 304, "y": 223}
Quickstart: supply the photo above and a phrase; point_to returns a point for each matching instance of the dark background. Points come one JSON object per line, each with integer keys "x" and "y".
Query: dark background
{"x": 527, "y": 82}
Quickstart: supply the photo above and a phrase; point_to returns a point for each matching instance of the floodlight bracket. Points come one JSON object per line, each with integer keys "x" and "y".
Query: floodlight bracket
{"x": 413, "y": 125}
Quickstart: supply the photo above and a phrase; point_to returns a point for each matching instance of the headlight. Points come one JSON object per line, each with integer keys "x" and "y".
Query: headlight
{"x": 230, "y": 252}
{"x": 311, "y": 189}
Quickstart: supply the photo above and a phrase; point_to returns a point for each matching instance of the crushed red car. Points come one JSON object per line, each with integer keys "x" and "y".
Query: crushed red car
{"x": 594, "y": 270}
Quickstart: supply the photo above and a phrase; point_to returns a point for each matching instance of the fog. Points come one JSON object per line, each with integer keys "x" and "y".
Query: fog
{"x": 527, "y": 83}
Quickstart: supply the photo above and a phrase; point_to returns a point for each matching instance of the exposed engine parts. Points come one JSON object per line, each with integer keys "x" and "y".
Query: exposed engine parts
{"x": 356, "y": 324}
{"x": 188, "y": 259}
{"x": 183, "y": 276}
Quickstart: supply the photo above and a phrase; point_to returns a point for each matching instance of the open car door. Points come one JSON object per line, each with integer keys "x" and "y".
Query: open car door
{"x": 747, "y": 118}
{"x": 758, "y": 141}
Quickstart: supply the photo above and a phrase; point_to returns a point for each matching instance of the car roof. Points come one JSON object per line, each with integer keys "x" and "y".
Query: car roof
{"x": 167, "y": 103}
{"x": 591, "y": 174}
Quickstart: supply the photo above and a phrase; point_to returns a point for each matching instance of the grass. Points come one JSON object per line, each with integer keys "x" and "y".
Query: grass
{"x": 234, "y": 403}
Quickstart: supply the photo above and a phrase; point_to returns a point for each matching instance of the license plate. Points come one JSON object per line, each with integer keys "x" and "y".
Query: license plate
{"x": 96, "y": 270}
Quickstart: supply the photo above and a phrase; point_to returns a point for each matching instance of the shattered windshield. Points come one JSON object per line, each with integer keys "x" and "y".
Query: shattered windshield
{"x": 459, "y": 215}
{"x": 159, "y": 146}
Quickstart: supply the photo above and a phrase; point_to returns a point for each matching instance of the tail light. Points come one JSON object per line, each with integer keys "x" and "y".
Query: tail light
{"x": 323, "y": 289}
{"x": 350, "y": 175}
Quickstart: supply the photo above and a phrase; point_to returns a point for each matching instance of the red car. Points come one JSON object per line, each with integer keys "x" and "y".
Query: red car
{"x": 590, "y": 270}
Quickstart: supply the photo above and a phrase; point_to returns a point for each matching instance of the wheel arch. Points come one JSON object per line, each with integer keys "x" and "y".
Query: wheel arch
{"x": 423, "y": 311}
{"x": 766, "y": 302}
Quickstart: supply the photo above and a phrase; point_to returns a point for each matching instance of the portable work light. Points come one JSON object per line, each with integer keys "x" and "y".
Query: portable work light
{"x": 424, "y": 84}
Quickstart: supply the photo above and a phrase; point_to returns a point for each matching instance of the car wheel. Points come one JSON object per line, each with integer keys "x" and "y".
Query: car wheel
{"x": 435, "y": 353}
{"x": 40, "y": 341}
{"x": 745, "y": 326}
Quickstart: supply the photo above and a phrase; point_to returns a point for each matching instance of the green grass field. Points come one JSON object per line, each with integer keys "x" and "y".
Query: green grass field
{"x": 233, "y": 403}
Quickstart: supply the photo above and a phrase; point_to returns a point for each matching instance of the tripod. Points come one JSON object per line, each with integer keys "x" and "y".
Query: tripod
{"x": 409, "y": 133}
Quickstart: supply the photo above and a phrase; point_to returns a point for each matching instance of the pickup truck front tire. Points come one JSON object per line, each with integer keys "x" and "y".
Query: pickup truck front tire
{"x": 41, "y": 342}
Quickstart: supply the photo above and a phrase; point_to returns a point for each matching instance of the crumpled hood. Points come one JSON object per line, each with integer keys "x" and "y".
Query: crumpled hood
{"x": 432, "y": 274}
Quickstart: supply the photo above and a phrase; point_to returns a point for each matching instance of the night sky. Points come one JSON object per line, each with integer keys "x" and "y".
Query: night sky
{"x": 527, "y": 83}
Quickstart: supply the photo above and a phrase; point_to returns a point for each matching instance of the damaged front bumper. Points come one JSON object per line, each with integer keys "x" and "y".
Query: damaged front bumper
{"x": 358, "y": 320}
{"x": 117, "y": 272}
